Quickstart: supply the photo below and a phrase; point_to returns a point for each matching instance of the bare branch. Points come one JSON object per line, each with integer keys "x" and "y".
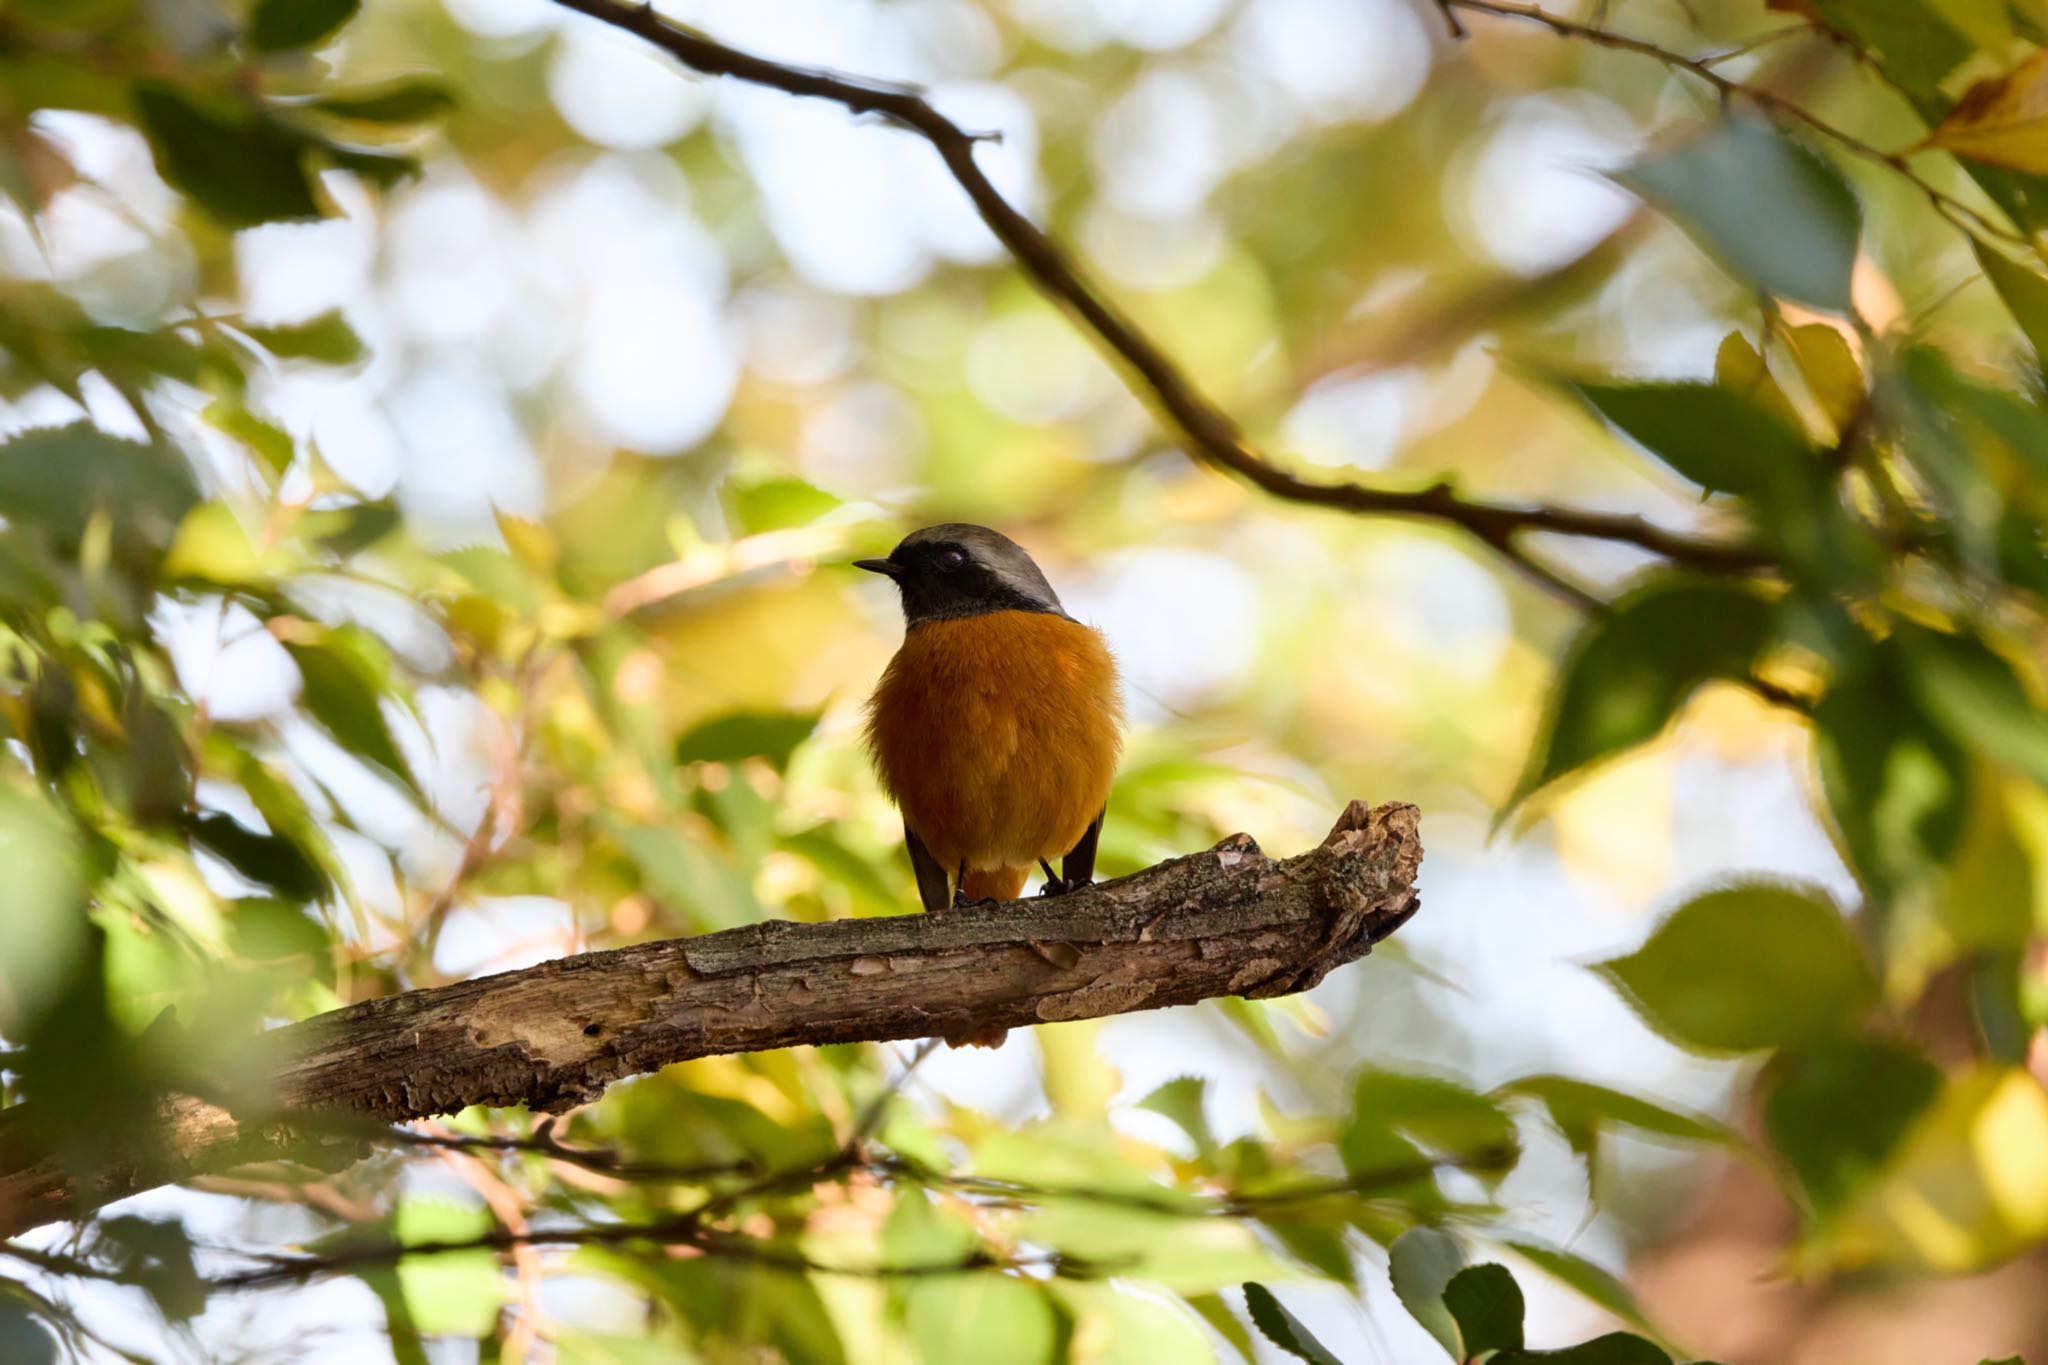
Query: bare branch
{"x": 1208, "y": 433}
{"x": 1226, "y": 922}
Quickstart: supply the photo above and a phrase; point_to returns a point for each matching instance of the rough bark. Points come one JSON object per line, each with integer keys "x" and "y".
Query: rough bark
{"x": 1229, "y": 921}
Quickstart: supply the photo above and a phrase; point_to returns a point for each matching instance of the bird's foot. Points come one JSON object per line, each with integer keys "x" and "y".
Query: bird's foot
{"x": 1060, "y": 886}
{"x": 960, "y": 902}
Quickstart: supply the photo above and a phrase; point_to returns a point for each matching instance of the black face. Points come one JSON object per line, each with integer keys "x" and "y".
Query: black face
{"x": 947, "y": 572}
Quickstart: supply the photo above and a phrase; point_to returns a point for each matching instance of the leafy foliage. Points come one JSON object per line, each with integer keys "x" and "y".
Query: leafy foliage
{"x": 276, "y": 741}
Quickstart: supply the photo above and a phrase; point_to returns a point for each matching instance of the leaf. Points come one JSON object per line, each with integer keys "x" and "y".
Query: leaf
{"x": 1486, "y": 1303}
{"x": 2002, "y": 121}
{"x": 1715, "y": 436}
{"x": 1829, "y": 367}
{"x": 327, "y": 339}
{"x": 350, "y": 530}
{"x": 1749, "y": 967}
{"x": 1181, "y": 1100}
{"x": 1224, "y": 1323}
{"x": 1000, "y": 1319}
{"x": 1974, "y": 695}
{"x": 1629, "y": 672}
{"x": 343, "y": 694}
{"x": 265, "y": 859}
{"x": 212, "y": 547}
{"x": 1582, "y": 1110}
{"x": 1770, "y": 210}
{"x": 1421, "y": 1263}
{"x": 1739, "y": 369}
{"x": 1616, "y": 1348}
{"x": 398, "y": 102}
{"x": 1283, "y": 1329}
{"x": 453, "y": 1293}
{"x": 1441, "y": 1115}
{"x": 1885, "y": 1085}
{"x": 1967, "y": 1186}
{"x": 2024, "y": 291}
{"x": 773, "y": 735}
{"x": 155, "y": 1255}
{"x": 272, "y": 443}
{"x": 280, "y": 25}
{"x": 58, "y": 476}
{"x": 1596, "y": 1283}
{"x": 1895, "y": 783}
{"x": 240, "y": 165}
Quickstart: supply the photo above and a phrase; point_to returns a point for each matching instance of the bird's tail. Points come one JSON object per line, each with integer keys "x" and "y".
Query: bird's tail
{"x": 995, "y": 883}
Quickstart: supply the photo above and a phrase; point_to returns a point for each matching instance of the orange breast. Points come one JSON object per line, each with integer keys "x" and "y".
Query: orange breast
{"x": 997, "y": 735}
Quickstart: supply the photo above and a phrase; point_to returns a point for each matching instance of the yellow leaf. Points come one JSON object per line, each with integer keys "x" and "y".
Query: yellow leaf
{"x": 1967, "y": 1187}
{"x": 1830, "y": 370}
{"x": 1737, "y": 366}
{"x": 212, "y": 546}
{"x": 2003, "y": 121}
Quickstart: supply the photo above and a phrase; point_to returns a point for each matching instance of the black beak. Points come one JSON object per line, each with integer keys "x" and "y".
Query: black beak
{"x": 888, "y": 567}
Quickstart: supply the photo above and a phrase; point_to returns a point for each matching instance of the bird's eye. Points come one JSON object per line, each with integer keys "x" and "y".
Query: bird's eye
{"x": 950, "y": 557}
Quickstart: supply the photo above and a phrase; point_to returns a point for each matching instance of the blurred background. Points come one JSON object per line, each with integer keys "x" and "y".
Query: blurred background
{"x": 533, "y": 394}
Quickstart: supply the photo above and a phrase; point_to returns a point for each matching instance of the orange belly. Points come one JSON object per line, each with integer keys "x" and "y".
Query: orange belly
{"x": 997, "y": 735}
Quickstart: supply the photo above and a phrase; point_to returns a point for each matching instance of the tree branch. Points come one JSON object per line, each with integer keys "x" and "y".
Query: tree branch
{"x": 1226, "y": 922}
{"x": 1208, "y": 433}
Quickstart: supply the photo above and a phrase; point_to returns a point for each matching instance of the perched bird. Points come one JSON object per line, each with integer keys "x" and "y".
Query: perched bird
{"x": 996, "y": 726}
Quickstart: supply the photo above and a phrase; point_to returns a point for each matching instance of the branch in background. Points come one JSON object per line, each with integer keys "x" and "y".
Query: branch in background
{"x": 1208, "y": 433}
{"x": 1964, "y": 217}
{"x": 1226, "y": 922}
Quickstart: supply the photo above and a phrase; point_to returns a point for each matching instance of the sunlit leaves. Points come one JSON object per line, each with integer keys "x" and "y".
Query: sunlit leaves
{"x": 278, "y": 25}
{"x": 238, "y": 163}
{"x": 1768, "y": 208}
{"x": 1396, "y": 1117}
{"x": 1965, "y": 1187}
{"x": 2024, "y": 291}
{"x": 55, "y": 479}
{"x": 1975, "y": 696}
{"x": 454, "y": 1293}
{"x": 327, "y": 339}
{"x": 996, "y": 1318}
{"x": 2003, "y": 121}
{"x": 1476, "y": 1313}
{"x": 1584, "y": 1112}
{"x": 1749, "y": 967}
{"x": 1629, "y": 672}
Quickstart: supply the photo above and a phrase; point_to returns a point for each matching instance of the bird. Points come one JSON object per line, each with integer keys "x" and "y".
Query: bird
{"x": 997, "y": 725}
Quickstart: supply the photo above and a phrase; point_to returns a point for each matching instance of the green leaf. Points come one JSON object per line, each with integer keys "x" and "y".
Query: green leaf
{"x": 776, "y": 504}
{"x": 155, "y": 1255}
{"x": 1486, "y": 1303}
{"x": 1974, "y": 695}
{"x": 271, "y": 442}
{"x": 239, "y": 164}
{"x": 1616, "y": 1348}
{"x": 1181, "y": 1100}
{"x": 1284, "y": 1329}
{"x": 1894, "y": 783}
{"x": 398, "y": 102}
{"x": 1884, "y": 1085}
{"x": 1000, "y": 1319}
{"x": 452, "y": 1293}
{"x": 57, "y": 477}
{"x": 1629, "y": 672}
{"x": 773, "y": 735}
{"x": 1753, "y": 966}
{"x": 1582, "y": 1111}
{"x": 350, "y": 530}
{"x": 1391, "y": 1109}
{"x": 327, "y": 339}
{"x": 265, "y": 859}
{"x": 1224, "y": 1323}
{"x": 1598, "y": 1284}
{"x": 1421, "y": 1263}
{"x": 1771, "y": 211}
{"x": 1722, "y": 440}
{"x": 280, "y": 25}
{"x": 344, "y": 694}
{"x": 2024, "y": 290}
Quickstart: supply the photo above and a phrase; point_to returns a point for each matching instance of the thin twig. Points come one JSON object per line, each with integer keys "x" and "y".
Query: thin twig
{"x": 1966, "y": 218}
{"x": 1208, "y": 433}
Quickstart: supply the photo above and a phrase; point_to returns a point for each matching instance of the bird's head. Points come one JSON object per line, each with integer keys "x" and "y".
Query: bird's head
{"x": 955, "y": 570}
